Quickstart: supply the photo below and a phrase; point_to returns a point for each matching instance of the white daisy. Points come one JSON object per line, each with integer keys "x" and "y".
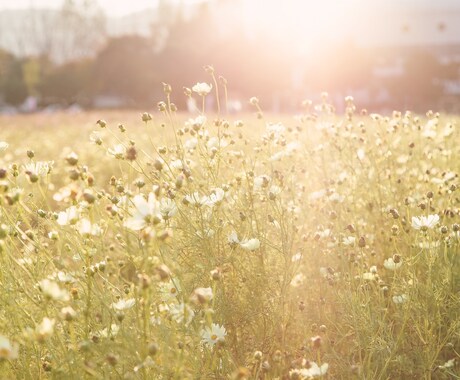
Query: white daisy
{"x": 212, "y": 335}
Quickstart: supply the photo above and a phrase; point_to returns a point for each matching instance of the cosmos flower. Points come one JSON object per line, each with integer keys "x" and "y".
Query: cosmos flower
{"x": 425, "y": 222}
{"x": 52, "y": 291}
{"x": 182, "y": 313}
{"x": 39, "y": 168}
{"x": 45, "y": 329}
{"x": 118, "y": 151}
{"x": 143, "y": 212}
{"x": 8, "y": 350}
{"x": 390, "y": 264}
{"x": 69, "y": 216}
{"x": 212, "y": 335}
{"x": 195, "y": 199}
{"x": 310, "y": 371}
{"x": 202, "y": 295}
{"x": 169, "y": 291}
{"x": 85, "y": 227}
{"x": 250, "y": 245}
{"x": 215, "y": 198}
{"x": 400, "y": 298}
{"x": 298, "y": 280}
{"x": 109, "y": 332}
{"x": 124, "y": 304}
{"x": 233, "y": 238}
{"x": 168, "y": 208}
{"x": 202, "y": 89}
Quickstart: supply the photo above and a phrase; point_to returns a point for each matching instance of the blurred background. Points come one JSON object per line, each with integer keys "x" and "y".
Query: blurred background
{"x": 78, "y": 54}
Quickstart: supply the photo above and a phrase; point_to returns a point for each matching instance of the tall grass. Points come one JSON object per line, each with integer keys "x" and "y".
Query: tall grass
{"x": 213, "y": 247}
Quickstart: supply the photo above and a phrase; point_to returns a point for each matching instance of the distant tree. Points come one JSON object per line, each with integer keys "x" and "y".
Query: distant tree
{"x": 68, "y": 83}
{"x": 6, "y": 60}
{"x": 420, "y": 86}
{"x": 126, "y": 67}
{"x": 14, "y": 86}
{"x": 74, "y": 31}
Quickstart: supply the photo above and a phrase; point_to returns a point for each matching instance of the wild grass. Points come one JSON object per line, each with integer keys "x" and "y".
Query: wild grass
{"x": 230, "y": 246}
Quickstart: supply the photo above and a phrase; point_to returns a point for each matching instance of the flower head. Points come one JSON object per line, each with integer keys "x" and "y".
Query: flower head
{"x": 202, "y": 89}
{"x": 52, "y": 291}
{"x": 69, "y": 216}
{"x": 392, "y": 264}
{"x": 124, "y": 304}
{"x": 250, "y": 245}
{"x": 310, "y": 371}
{"x": 143, "y": 212}
{"x": 425, "y": 222}
{"x": 214, "y": 334}
{"x": 118, "y": 151}
{"x": 202, "y": 295}
{"x": 182, "y": 313}
{"x": 8, "y": 350}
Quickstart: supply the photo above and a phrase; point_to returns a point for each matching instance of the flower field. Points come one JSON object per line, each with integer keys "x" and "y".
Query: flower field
{"x": 216, "y": 246}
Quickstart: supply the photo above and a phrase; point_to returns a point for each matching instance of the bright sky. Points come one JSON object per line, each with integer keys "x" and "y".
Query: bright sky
{"x": 123, "y": 7}
{"x": 112, "y": 7}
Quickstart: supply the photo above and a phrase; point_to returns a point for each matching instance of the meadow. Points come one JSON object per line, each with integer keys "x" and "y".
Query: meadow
{"x": 256, "y": 246}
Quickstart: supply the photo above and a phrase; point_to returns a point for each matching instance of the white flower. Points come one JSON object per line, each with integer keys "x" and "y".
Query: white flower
{"x": 66, "y": 278}
{"x": 361, "y": 154}
{"x": 143, "y": 212}
{"x": 195, "y": 199}
{"x": 124, "y": 304}
{"x": 168, "y": 208}
{"x": 250, "y": 245}
{"x": 95, "y": 138}
{"x": 390, "y": 264}
{"x": 52, "y": 291}
{"x": 182, "y": 313}
{"x": 215, "y": 198}
{"x": 313, "y": 370}
{"x": 69, "y": 216}
{"x": 118, "y": 151}
{"x": 261, "y": 181}
{"x": 39, "y": 168}
{"x": 109, "y": 332}
{"x": 202, "y": 89}
{"x": 400, "y": 299}
{"x": 298, "y": 280}
{"x": 425, "y": 222}
{"x": 45, "y": 329}
{"x": 202, "y": 295}
{"x": 199, "y": 121}
{"x": 349, "y": 240}
{"x": 370, "y": 276}
{"x": 3, "y": 146}
{"x": 169, "y": 291}
{"x": 191, "y": 143}
{"x": 85, "y": 227}
{"x": 213, "y": 335}
{"x": 296, "y": 257}
{"x": 68, "y": 313}
{"x": 8, "y": 350}
{"x": 233, "y": 238}
{"x": 448, "y": 364}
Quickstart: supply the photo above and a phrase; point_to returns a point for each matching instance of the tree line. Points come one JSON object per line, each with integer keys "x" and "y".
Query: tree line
{"x": 133, "y": 68}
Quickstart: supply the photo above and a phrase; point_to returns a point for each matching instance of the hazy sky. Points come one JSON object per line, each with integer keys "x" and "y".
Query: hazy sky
{"x": 112, "y": 7}
{"x": 122, "y": 7}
